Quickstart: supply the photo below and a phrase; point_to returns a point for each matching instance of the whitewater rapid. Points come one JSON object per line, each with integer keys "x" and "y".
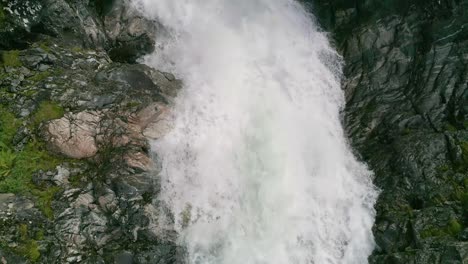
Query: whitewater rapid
{"x": 257, "y": 169}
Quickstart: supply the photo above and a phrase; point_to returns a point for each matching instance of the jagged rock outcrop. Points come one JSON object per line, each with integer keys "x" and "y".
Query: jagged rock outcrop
{"x": 65, "y": 80}
{"x": 407, "y": 107}
{"x": 77, "y": 183}
{"x": 114, "y": 26}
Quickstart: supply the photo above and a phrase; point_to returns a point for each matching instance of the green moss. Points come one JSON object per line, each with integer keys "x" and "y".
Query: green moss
{"x": 17, "y": 168}
{"x": 33, "y": 251}
{"x": 454, "y": 227}
{"x": 77, "y": 49}
{"x": 18, "y": 175}
{"x": 8, "y": 127}
{"x": 45, "y": 198}
{"x": 29, "y": 93}
{"x": 9, "y": 124}
{"x": 39, "y": 76}
{"x": 23, "y": 230}
{"x": 464, "y": 148}
{"x": 45, "y": 46}
{"x": 2, "y": 15}
{"x": 433, "y": 232}
{"x": 457, "y": 193}
{"x": 133, "y": 104}
{"x": 40, "y": 235}
{"x": 450, "y": 127}
{"x": 78, "y": 181}
{"x": 11, "y": 58}
{"x": 30, "y": 249}
{"x": 47, "y": 111}
{"x": 32, "y": 158}
{"x": 443, "y": 168}
{"x": 27, "y": 247}
{"x": 7, "y": 161}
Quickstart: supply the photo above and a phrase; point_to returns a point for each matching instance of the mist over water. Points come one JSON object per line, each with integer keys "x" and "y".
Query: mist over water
{"x": 257, "y": 169}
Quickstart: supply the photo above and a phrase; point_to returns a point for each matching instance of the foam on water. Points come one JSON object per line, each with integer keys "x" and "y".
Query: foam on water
{"x": 257, "y": 168}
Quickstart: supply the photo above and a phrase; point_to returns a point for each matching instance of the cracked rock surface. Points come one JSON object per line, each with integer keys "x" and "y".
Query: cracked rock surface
{"x": 407, "y": 107}
{"x": 77, "y": 183}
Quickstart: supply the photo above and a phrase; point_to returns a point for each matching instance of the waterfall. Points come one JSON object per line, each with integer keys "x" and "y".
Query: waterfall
{"x": 257, "y": 168}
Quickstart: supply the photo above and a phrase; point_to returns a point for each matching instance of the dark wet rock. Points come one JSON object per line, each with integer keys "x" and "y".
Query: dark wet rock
{"x": 63, "y": 61}
{"x": 131, "y": 34}
{"x": 407, "y": 97}
{"x": 87, "y": 119}
{"x": 114, "y": 26}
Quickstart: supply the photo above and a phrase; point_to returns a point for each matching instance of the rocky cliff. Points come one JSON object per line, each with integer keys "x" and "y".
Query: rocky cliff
{"x": 76, "y": 111}
{"x": 407, "y": 107}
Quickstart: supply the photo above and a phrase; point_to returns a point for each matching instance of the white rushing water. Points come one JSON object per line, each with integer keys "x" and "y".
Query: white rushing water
{"x": 257, "y": 169}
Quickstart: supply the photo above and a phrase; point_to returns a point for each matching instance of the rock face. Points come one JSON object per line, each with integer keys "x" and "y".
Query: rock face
{"x": 77, "y": 183}
{"x": 114, "y": 26}
{"x": 74, "y": 135}
{"x": 407, "y": 108}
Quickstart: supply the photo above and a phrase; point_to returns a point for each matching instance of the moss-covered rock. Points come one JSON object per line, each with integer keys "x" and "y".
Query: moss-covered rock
{"x": 47, "y": 111}
{"x": 103, "y": 200}
{"x": 11, "y": 58}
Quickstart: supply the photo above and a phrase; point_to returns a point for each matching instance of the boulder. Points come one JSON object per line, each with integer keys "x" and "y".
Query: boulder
{"x": 74, "y": 135}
